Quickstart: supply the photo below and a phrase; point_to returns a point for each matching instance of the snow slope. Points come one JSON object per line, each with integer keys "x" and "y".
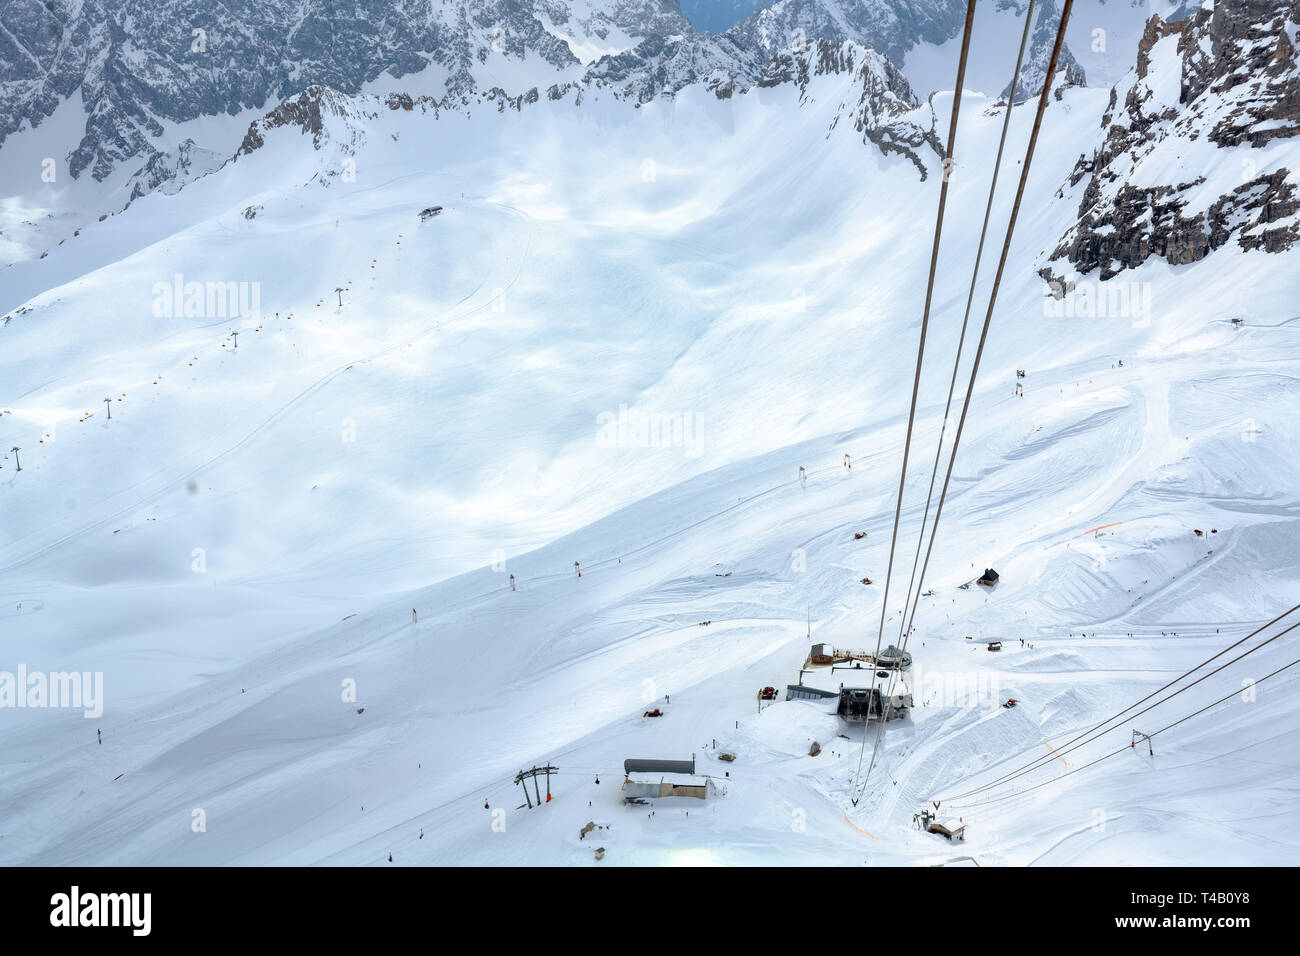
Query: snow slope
{"x": 252, "y": 529}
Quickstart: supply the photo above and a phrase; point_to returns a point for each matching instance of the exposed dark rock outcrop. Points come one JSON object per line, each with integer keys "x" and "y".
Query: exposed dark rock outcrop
{"x": 1225, "y": 77}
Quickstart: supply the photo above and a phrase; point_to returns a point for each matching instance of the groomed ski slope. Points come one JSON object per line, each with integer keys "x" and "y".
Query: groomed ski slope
{"x": 728, "y": 261}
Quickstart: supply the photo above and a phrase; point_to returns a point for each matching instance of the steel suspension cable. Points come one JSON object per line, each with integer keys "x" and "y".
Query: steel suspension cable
{"x": 925, "y": 323}
{"x": 904, "y": 624}
{"x": 1062, "y": 752}
{"x": 988, "y": 317}
{"x": 1010, "y": 796}
{"x": 997, "y": 282}
{"x": 929, "y": 296}
{"x": 1033, "y": 764}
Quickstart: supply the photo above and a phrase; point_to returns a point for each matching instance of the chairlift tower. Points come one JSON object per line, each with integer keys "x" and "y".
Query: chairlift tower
{"x": 523, "y": 775}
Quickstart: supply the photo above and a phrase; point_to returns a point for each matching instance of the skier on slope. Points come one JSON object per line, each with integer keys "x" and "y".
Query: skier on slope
{"x": 512, "y": 582}
{"x": 577, "y": 570}
{"x": 847, "y": 463}
{"x": 413, "y": 616}
{"x": 803, "y": 475}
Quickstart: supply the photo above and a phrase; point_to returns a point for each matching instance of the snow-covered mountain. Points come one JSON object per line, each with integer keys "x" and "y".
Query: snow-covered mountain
{"x": 879, "y": 103}
{"x": 138, "y": 66}
{"x": 98, "y": 100}
{"x": 325, "y": 552}
{"x": 134, "y": 71}
{"x": 101, "y": 103}
{"x": 666, "y": 64}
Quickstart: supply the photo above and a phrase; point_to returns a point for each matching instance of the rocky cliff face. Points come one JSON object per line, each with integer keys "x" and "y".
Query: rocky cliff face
{"x": 662, "y": 64}
{"x": 880, "y": 105}
{"x": 891, "y": 27}
{"x": 1224, "y": 78}
{"x": 168, "y": 171}
{"x": 338, "y": 121}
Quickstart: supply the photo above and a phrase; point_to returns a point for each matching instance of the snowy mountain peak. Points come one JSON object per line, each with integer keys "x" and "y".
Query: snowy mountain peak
{"x": 880, "y": 103}
{"x": 660, "y": 64}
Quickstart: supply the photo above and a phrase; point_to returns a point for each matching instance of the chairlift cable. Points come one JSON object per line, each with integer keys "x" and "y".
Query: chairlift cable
{"x": 1069, "y": 744}
{"x": 1063, "y": 751}
{"x": 1121, "y": 750}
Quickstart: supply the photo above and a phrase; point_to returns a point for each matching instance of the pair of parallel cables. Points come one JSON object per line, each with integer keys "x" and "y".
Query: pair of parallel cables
{"x": 916, "y": 583}
{"x": 1101, "y": 729}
